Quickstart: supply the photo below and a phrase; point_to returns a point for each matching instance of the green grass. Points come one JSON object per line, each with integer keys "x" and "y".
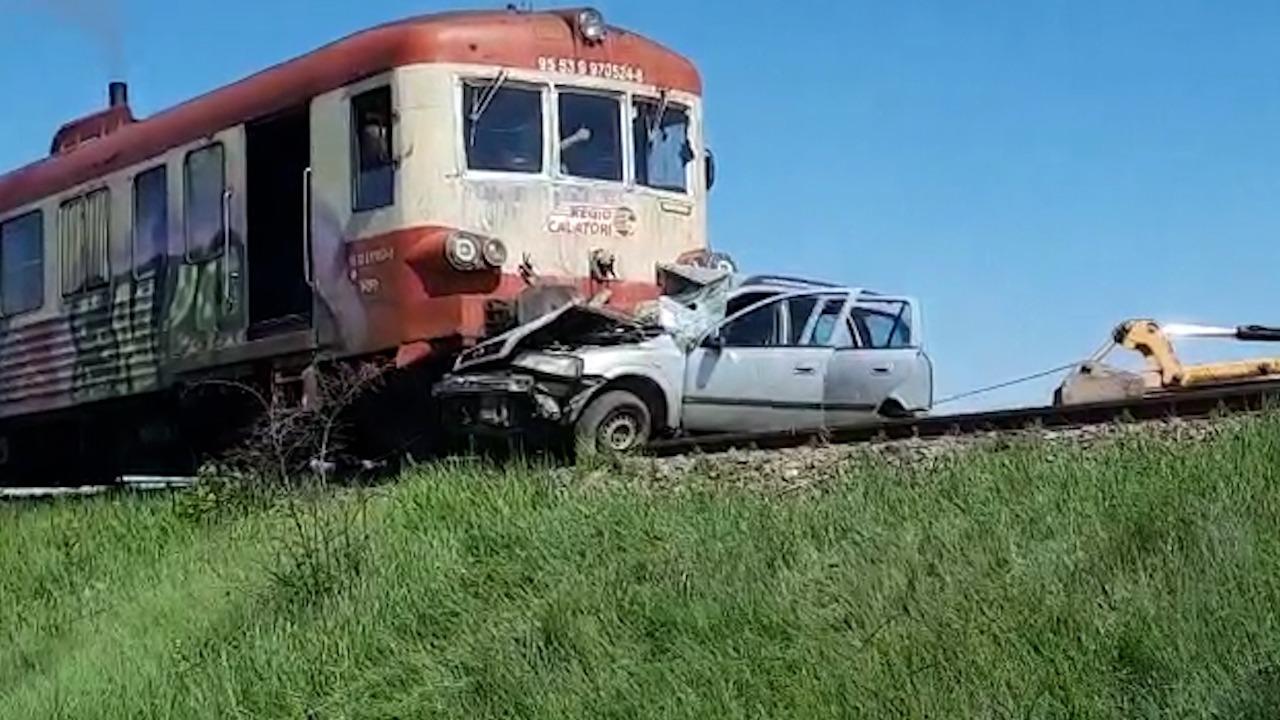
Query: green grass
{"x": 1137, "y": 579}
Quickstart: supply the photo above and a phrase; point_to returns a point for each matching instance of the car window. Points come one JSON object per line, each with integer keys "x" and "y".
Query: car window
{"x": 738, "y": 303}
{"x": 883, "y": 325}
{"x": 761, "y": 327}
{"x": 799, "y": 309}
{"x": 825, "y": 325}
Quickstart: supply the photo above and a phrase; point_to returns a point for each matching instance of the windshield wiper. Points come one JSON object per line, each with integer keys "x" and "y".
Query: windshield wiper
{"x": 482, "y": 104}
{"x": 656, "y": 120}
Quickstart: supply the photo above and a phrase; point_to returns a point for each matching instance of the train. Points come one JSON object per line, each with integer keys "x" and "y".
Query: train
{"x": 400, "y": 194}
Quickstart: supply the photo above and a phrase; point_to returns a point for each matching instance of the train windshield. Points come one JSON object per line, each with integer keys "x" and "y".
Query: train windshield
{"x": 503, "y": 130}
{"x": 662, "y": 147}
{"x": 590, "y": 136}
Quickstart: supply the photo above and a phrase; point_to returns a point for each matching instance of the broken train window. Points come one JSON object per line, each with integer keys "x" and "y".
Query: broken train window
{"x": 662, "y": 148}
{"x": 372, "y": 127}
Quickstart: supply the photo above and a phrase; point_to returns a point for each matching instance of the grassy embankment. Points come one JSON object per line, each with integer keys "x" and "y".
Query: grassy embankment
{"x": 1137, "y": 579}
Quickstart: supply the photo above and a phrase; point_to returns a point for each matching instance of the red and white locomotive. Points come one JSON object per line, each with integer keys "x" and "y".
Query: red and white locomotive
{"x": 403, "y": 192}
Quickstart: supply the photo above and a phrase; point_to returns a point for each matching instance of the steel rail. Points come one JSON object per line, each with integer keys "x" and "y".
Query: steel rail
{"x": 1199, "y": 403}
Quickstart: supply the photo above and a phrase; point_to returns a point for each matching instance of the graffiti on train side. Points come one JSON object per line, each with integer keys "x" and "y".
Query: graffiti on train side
{"x": 133, "y": 334}
{"x": 99, "y": 322}
{"x": 205, "y": 304}
{"x": 104, "y": 343}
{"x": 122, "y": 334}
{"x": 116, "y": 339}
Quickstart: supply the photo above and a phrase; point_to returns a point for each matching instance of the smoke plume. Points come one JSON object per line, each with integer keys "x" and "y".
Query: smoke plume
{"x": 100, "y": 20}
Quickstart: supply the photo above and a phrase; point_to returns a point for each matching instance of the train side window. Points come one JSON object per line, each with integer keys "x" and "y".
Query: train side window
{"x": 22, "y": 264}
{"x": 662, "y": 147}
{"x": 84, "y": 229}
{"x": 372, "y": 142}
{"x": 502, "y": 127}
{"x": 150, "y": 220}
{"x": 206, "y": 183}
{"x": 590, "y": 136}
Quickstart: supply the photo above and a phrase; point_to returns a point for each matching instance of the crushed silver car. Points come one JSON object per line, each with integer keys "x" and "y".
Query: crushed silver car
{"x": 715, "y": 355}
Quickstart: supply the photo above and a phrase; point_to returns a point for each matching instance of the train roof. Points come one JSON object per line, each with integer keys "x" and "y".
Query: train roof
{"x": 504, "y": 38}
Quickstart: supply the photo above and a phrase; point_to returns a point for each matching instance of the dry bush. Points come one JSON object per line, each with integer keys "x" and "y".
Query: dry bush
{"x": 291, "y": 458}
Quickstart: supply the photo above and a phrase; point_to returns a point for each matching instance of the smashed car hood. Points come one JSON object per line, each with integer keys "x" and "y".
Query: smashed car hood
{"x": 693, "y": 301}
{"x": 574, "y": 325}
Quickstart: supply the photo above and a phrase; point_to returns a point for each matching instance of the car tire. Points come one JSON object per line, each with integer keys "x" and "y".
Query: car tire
{"x": 893, "y": 410}
{"x": 615, "y": 422}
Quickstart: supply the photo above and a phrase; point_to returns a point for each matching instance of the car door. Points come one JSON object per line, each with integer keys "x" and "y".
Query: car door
{"x": 751, "y": 374}
{"x": 883, "y": 367}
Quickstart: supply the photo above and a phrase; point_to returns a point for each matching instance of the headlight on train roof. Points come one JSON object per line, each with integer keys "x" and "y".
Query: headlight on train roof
{"x": 564, "y": 366}
{"x": 463, "y": 251}
{"x": 592, "y": 26}
{"x": 494, "y": 252}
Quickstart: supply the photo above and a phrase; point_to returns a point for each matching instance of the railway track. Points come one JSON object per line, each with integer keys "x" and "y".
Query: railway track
{"x": 1244, "y": 397}
{"x": 32, "y": 492}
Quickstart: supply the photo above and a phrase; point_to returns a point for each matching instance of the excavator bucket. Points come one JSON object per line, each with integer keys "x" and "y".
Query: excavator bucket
{"x": 1096, "y": 383}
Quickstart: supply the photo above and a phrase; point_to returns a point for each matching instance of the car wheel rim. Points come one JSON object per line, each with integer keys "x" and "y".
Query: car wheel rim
{"x": 620, "y": 431}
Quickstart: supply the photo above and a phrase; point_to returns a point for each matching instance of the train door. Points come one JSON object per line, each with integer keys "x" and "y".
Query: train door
{"x": 206, "y": 290}
{"x": 278, "y": 186}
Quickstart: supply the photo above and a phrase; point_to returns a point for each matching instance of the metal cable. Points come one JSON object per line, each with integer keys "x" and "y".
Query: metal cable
{"x": 1101, "y": 353}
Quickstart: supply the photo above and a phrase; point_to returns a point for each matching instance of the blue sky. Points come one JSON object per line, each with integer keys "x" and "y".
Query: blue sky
{"x": 1033, "y": 172}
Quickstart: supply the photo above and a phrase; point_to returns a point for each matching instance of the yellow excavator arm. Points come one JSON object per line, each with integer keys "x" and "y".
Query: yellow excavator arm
{"x": 1164, "y": 372}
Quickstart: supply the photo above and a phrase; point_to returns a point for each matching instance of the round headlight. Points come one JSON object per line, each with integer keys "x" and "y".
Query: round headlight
{"x": 591, "y": 25}
{"x": 495, "y": 253}
{"x": 463, "y": 252}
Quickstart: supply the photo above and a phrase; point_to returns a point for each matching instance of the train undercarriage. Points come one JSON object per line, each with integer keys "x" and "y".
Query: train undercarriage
{"x": 174, "y": 432}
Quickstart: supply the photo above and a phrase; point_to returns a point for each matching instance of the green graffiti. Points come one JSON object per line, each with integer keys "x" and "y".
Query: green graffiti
{"x": 115, "y": 331}
{"x": 204, "y": 313}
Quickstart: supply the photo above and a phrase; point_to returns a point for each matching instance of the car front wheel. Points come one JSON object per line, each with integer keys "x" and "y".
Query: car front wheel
{"x": 616, "y": 422}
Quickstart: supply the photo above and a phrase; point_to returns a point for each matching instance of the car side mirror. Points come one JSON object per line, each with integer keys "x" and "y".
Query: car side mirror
{"x": 714, "y": 341}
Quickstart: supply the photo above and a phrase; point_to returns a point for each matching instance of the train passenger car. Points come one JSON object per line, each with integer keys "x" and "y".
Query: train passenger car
{"x": 403, "y": 192}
